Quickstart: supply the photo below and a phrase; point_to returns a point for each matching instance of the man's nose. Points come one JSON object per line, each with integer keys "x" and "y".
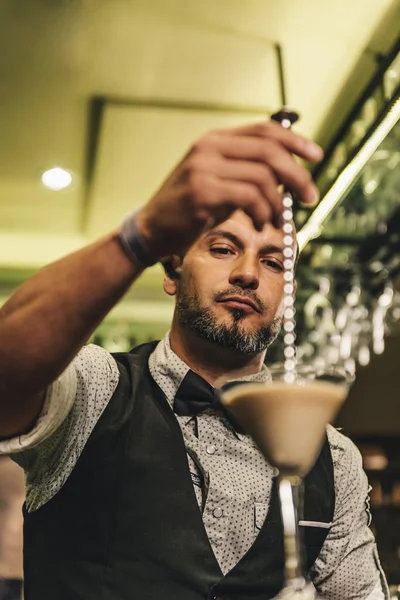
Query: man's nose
{"x": 246, "y": 272}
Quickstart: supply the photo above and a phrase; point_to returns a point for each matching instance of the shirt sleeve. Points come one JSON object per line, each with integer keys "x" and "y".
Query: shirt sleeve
{"x": 348, "y": 566}
{"x": 73, "y": 405}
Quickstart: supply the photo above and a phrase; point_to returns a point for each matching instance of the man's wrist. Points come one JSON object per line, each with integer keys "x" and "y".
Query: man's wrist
{"x": 134, "y": 244}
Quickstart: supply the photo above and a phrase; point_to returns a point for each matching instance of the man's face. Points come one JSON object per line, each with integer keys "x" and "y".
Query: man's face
{"x": 231, "y": 285}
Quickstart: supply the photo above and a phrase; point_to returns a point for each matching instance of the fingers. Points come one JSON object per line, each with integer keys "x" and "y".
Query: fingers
{"x": 294, "y": 142}
{"x": 255, "y": 173}
{"x": 243, "y": 168}
{"x": 218, "y": 198}
{"x": 264, "y": 162}
{"x": 238, "y": 194}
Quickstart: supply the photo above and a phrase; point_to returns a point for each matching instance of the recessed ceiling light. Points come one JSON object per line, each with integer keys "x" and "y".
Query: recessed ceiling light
{"x": 57, "y": 178}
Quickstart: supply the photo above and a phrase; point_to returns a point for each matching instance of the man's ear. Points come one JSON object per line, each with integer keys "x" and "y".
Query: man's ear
{"x": 172, "y": 268}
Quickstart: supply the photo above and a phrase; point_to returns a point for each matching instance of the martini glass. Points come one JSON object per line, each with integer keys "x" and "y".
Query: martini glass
{"x": 287, "y": 420}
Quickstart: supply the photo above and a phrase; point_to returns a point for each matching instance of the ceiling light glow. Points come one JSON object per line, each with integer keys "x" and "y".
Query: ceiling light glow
{"x": 57, "y": 178}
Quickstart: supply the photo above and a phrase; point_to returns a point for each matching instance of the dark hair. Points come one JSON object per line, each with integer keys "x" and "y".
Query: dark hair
{"x": 170, "y": 269}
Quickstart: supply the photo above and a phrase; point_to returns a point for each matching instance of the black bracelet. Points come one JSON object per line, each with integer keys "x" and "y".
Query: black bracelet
{"x": 133, "y": 243}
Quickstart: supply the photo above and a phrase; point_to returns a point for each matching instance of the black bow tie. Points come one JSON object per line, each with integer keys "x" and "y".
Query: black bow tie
{"x": 195, "y": 395}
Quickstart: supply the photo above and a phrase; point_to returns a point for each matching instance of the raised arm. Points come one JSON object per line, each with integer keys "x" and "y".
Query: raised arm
{"x": 49, "y": 318}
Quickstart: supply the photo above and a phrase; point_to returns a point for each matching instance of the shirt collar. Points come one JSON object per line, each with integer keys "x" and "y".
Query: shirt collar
{"x": 168, "y": 370}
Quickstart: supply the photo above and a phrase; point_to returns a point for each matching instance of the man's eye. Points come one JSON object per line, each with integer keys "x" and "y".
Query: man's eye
{"x": 221, "y": 250}
{"x": 273, "y": 264}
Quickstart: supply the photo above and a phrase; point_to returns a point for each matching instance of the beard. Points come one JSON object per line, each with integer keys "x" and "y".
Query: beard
{"x": 200, "y": 320}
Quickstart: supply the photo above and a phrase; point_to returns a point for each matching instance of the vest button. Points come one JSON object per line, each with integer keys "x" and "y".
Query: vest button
{"x": 211, "y": 449}
{"x": 218, "y": 512}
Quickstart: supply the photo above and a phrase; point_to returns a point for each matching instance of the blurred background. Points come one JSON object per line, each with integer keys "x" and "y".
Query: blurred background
{"x": 100, "y": 98}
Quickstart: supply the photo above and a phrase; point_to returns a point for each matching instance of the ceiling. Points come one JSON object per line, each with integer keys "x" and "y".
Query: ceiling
{"x": 163, "y": 72}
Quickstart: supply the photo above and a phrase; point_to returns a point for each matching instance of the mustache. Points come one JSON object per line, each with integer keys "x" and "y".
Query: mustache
{"x": 234, "y": 291}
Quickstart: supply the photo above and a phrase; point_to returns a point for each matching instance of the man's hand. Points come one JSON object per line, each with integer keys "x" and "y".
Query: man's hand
{"x": 224, "y": 171}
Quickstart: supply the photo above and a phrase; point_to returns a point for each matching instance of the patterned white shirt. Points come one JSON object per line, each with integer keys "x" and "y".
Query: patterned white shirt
{"x": 231, "y": 478}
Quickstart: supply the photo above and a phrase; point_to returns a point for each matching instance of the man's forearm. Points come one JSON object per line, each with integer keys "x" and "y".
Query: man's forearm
{"x": 48, "y": 319}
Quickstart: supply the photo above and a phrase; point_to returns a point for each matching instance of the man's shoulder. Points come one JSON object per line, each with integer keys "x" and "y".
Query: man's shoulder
{"x": 338, "y": 439}
{"x": 92, "y": 355}
{"x": 345, "y": 453}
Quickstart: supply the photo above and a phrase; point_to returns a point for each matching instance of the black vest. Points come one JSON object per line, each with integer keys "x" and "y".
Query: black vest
{"x": 126, "y": 523}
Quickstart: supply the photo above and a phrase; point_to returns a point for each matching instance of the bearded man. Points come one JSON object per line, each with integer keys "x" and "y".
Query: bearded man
{"x": 138, "y": 484}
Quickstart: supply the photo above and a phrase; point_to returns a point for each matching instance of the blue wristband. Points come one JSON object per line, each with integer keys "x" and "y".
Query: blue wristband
{"x": 133, "y": 243}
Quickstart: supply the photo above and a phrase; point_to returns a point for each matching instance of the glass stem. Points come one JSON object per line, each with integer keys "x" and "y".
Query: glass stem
{"x": 293, "y": 571}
